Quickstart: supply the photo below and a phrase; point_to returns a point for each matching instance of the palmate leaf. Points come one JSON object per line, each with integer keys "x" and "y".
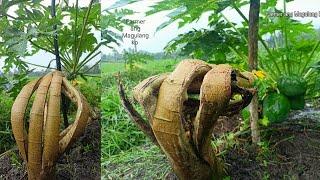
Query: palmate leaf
{"x": 212, "y": 45}
{"x": 15, "y": 41}
{"x": 112, "y": 23}
{"x": 188, "y": 11}
{"x": 115, "y": 19}
{"x": 268, "y": 4}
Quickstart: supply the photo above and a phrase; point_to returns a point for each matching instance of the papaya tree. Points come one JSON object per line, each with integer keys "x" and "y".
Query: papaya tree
{"x": 40, "y": 27}
{"x": 28, "y": 30}
{"x": 253, "y": 64}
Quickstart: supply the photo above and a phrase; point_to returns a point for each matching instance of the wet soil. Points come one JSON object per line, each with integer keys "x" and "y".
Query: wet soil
{"x": 81, "y": 161}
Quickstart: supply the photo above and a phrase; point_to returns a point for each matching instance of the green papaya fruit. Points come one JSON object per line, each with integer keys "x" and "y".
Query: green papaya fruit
{"x": 276, "y": 107}
{"x": 292, "y": 85}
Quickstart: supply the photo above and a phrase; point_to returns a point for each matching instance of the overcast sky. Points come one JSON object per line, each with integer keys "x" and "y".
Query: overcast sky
{"x": 159, "y": 40}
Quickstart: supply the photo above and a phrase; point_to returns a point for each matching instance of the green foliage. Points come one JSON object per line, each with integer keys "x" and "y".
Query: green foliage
{"x": 265, "y": 85}
{"x": 142, "y": 162}
{"x": 288, "y": 46}
{"x": 219, "y": 44}
{"x": 290, "y": 58}
{"x": 264, "y": 121}
{"x": 12, "y": 82}
{"x": 32, "y": 25}
{"x": 112, "y": 23}
{"x": 91, "y": 89}
{"x": 245, "y": 114}
{"x": 109, "y": 67}
{"x": 132, "y": 58}
{"x": 6, "y": 138}
{"x": 186, "y": 11}
{"x": 276, "y": 107}
{"x": 119, "y": 133}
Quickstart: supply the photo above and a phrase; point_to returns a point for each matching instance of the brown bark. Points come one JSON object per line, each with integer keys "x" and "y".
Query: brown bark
{"x": 134, "y": 115}
{"x": 253, "y": 33}
{"x": 43, "y": 143}
{"x": 253, "y": 64}
{"x": 183, "y": 126}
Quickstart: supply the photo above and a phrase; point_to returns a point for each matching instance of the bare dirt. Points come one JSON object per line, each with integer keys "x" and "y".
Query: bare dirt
{"x": 81, "y": 161}
{"x": 293, "y": 152}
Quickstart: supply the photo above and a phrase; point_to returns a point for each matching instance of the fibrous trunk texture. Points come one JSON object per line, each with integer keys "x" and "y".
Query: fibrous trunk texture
{"x": 182, "y": 125}
{"x": 45, "y": 141}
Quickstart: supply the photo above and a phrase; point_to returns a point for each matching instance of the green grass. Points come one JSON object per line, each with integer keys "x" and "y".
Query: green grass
{"x": 125, "y": 150}
{"x": 141, "y": 162}
{"x": 151, "y": 66}
{"x": 108, "y": 67}
{"x": 6, "y": 137}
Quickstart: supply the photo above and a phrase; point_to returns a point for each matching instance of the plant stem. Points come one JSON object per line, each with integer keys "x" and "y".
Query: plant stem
{"x": 46, "y": 67}
{"x": 97, "y": 63}
{"x": 58, "y": 62}
{"x": 253, "y": 65}
{"x": 240, "y": 55}
{"x": 311, "y": 55}
{"x": 260, "y": 39}
{"x": 286, "y": 36}
{"x": 75, "y": 29}
{"x": 82, "y": 34}
{"x": 55, "y": 36}
{"x": 234, "y": 27}
{"x": 84, "y": 61}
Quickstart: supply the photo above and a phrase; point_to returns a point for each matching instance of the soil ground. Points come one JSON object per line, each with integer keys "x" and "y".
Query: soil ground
{"x": 293, "y": 153}
{"x": 81, "y": 161}
{"x": 289, "y": 150}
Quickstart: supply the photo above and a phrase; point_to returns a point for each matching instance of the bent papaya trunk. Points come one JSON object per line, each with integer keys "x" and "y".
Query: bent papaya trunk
{"x": 41, "y": 146}
{"x": 182, "y": 125}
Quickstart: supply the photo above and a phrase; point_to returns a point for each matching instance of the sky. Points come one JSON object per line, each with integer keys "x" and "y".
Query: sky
{"x": 159, "y": 40}
{"x": 43, "y": 58}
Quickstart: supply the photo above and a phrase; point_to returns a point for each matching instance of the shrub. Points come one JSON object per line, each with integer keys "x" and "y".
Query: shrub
{"x": 6, "y": 138}
{"x": 91, "y": 89}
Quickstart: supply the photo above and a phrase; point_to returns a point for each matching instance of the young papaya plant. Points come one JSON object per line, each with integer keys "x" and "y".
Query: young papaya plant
{"x": 29, "y": 29}
{"x": 293, "y": 46}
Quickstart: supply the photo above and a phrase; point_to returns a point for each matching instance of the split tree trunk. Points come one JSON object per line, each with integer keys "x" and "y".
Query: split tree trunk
{"x": 182, "y": 126}
{"x": 253, "y": 64}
